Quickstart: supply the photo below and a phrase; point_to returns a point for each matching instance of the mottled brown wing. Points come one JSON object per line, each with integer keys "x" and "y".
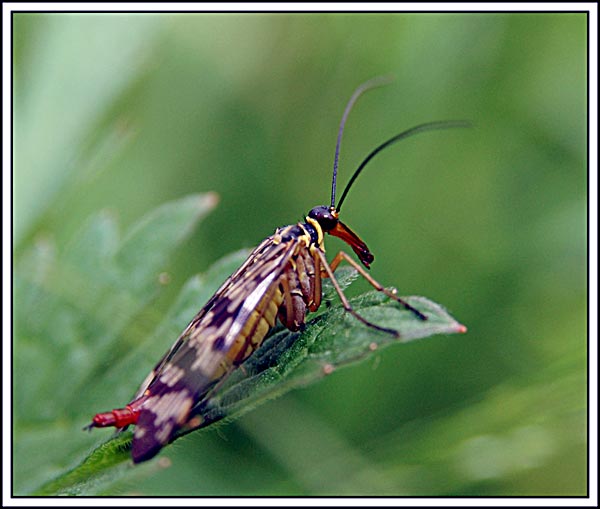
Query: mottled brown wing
{"x": 198, "y": 358}
{"x": 253, "y": 257}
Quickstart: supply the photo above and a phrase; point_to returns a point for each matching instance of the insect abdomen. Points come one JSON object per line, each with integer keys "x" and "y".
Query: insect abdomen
{"x": 255, "y": 330}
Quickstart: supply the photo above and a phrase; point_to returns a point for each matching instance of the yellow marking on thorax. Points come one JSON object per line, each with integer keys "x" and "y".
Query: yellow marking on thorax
{"x": 315, "y": 224}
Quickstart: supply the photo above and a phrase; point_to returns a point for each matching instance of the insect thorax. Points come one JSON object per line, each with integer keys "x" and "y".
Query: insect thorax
{"x": 310, "y": 233}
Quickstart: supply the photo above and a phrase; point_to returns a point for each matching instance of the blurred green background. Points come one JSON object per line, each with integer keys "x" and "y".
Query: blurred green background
{"x": 126, "y": 112}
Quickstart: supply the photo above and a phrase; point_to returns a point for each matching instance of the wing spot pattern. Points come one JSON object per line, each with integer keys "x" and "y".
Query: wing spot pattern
{"x": 171, "y": 375}
{"x": 169, "y": 406}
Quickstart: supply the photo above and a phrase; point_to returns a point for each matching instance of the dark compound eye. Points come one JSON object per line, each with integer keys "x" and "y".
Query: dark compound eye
{"x": 325, "y": 216}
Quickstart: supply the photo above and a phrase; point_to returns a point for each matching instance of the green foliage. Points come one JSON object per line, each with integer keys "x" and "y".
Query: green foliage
{"x": 74, "y": 318}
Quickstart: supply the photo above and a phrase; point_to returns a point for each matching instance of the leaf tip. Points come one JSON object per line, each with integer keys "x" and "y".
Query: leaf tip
{"x": 202, "y": 203}
{"x": 208, "y": 200}
{"x": 460, "y": 328}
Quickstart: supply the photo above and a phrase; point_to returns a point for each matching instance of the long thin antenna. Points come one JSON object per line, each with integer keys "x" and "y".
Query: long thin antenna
{"x": 430, "y": 126}
{"x": 373, "y": 83}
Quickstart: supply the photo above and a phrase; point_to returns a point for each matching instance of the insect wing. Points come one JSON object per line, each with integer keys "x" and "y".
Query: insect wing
{"x": 199, "y": 358}
{"x": 256, "y": 254}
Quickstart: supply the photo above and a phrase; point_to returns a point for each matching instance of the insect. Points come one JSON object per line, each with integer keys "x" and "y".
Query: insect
{"x": 281, "y": 279}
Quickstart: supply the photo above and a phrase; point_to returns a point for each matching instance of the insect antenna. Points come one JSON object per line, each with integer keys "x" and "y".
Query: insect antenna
{"x": 368, "y": 85}
{"x": 429, "y": 126}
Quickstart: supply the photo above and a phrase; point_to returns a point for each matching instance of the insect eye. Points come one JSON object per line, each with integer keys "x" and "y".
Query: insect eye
{"x": 325, "y": 216}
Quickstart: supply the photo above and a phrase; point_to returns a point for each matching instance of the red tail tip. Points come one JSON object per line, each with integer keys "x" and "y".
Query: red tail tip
{"x": 103, "y": 420}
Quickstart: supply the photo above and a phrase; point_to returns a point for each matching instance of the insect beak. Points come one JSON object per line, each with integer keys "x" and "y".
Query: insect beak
{"x": 341, "y": 231}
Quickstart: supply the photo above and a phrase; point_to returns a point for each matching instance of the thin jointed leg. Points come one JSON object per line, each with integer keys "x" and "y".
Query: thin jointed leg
{"x": 378, "y": 286}
{"x": 345, "y": 303}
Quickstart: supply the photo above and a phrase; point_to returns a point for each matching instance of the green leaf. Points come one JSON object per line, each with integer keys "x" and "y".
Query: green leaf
{"x": 146, "y": 247}
{"x": 332, "y": 339}
{"x": 73, "y": 317}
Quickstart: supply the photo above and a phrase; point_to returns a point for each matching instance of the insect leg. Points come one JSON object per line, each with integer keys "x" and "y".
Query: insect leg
{"x": 329, "y": 271}
{"x": 292, "y": 312}
{"x": 316, "y": 286}
{"x": 378, "y": 286}
{"x": 286, "y": 317}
